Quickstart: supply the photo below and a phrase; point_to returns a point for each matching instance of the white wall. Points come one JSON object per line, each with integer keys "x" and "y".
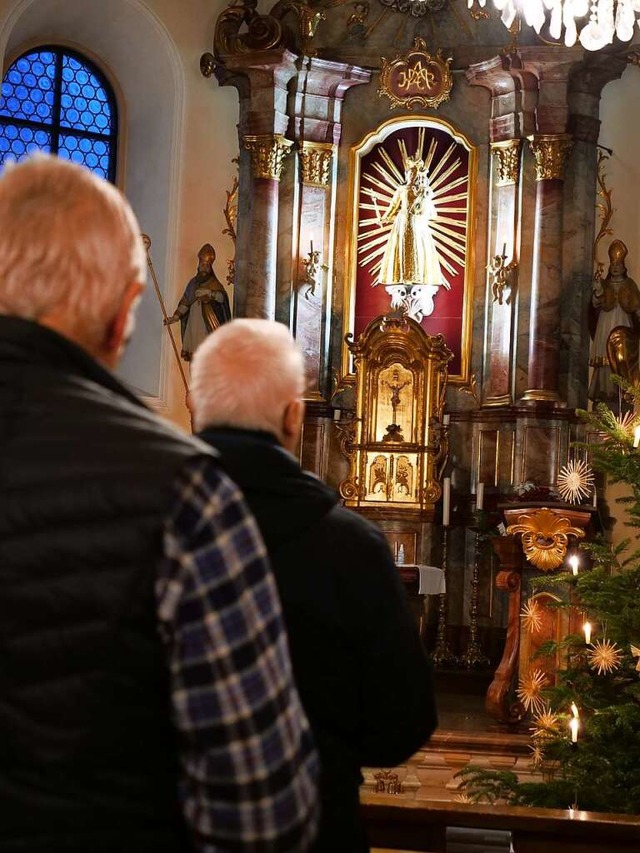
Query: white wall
{"x": 179, "y": 140}
{"x": 620, "y": 131}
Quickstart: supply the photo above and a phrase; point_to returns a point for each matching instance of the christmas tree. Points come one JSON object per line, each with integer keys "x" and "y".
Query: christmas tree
{"x": 586, "y": 728}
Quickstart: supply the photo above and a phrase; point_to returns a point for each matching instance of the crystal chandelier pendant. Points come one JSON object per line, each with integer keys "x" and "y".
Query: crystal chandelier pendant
{"x": 607, "y": 19}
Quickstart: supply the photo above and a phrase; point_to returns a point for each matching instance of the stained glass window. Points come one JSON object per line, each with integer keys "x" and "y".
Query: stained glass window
{"x": 55, "y": 100}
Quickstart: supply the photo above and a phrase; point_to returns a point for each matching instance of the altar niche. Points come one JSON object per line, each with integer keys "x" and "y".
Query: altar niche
{"x": 412, "y": 196}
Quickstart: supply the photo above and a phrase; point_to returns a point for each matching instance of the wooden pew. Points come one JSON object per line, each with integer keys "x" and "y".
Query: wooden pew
{"x": 396, "y": 824}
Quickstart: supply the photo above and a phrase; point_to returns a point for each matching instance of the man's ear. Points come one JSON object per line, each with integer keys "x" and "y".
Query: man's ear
{"x": 292, "y": 424}
{"x": 119, "y": 328}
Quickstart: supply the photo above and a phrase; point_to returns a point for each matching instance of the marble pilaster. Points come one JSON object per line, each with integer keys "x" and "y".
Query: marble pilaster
{"x": 309, "y": 205}
{"x": 513, "y": 98}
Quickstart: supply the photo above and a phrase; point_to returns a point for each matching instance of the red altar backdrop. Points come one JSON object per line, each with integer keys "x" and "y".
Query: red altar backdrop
{"x": 448, "y": 168}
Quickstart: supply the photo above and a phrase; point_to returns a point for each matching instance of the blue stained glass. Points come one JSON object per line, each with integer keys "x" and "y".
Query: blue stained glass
{"x": 79, "y": 86}
{"x": 22, "y": 90}
{"x": 31, "y": 118}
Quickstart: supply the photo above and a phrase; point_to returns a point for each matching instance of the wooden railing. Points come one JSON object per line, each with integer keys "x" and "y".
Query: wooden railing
{"x": 396, "y": 824}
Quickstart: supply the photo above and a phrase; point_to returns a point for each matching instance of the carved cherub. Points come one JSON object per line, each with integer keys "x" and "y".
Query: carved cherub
{"x": 500, "y": 278}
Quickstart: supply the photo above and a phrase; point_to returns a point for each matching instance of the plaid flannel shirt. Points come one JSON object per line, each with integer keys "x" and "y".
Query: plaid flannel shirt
{"x": 248, "y": 766}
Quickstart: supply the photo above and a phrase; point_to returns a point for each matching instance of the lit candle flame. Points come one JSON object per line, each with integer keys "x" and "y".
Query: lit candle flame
{"x": 587, "y": 632}
{"x": 636, "y": 436}
{"x": 574, "y": 711}
{"x": 574, "y": 725}
{"x": 574, "y": 562}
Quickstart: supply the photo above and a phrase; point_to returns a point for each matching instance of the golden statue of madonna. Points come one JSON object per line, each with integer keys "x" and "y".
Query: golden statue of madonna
{"x": 410, "y": 256}
{"x": 412, "y": 244}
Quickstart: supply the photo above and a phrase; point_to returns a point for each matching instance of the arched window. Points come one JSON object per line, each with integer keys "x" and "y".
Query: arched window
{"x": 55, "y": 100}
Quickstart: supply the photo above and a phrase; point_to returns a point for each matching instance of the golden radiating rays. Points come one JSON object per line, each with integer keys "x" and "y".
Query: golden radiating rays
{"x": 531, "y": 617}
{"x": 604, "y": 656}
{"x": 447, "y": 231}
{"x": 575, "y": 481}
{"x": 537, "y": 755}
{"x": 545, "y": 725}
{"x": 530, "y": 689}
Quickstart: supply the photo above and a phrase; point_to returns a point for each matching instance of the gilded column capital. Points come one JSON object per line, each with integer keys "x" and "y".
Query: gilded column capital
{"x": 315, "y": 163}
{"x": 268, "y": 151}
{"x": 507, "y": 155}
{"x": 551, "y": 152}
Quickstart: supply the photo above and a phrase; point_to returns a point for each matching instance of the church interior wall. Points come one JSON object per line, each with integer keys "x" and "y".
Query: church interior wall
{"x": 179, "y": 141}
{"x": 180, "y": 138}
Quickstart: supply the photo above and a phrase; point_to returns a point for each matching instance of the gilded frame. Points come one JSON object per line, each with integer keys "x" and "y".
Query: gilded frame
{"x": 357, "y": 152}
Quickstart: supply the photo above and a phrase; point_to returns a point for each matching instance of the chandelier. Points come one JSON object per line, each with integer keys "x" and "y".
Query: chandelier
{"x": 606, "y": 18}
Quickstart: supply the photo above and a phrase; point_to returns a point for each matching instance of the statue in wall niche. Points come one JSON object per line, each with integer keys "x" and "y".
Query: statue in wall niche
{"x": 410, "y": 268}
{"x": 204, "y": 305}
{"x": 615, "y": 303}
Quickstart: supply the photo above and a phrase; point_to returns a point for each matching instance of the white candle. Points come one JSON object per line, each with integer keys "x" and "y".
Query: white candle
{"x": 636, "y": 436}
{"x": 446, "y": 420}
{"x": 446, "y": 501}
{"x": 574, "y": 562}
{"x": 504, "y": 250}
{"x": 587, "y": 632}
{"x": 595, "y": 498}
{"x": 480, "y": 496}
{"x": 574, "y": 725}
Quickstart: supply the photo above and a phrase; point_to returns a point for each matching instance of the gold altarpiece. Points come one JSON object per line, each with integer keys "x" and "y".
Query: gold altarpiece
{"x": 397, "y": 445}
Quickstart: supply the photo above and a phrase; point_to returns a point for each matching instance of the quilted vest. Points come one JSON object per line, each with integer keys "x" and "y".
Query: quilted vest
{"x": 88, "y": 758}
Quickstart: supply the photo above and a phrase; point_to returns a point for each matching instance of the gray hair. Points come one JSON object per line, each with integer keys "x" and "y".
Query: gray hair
{"x": 245, "y": 374}
{"x": 68, "y": 241}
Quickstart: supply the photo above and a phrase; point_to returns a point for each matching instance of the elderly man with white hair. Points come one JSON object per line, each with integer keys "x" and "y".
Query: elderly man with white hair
{"x": 362, "y": 674}
{"x": 147, "y": 703}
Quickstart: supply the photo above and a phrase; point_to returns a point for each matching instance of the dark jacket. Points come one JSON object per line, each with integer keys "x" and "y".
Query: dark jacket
{"x": 361, "y": 672}
{"x": 88, "y": 759}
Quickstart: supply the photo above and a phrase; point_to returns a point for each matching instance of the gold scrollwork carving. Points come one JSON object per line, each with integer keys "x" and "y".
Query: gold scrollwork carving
{"x": 545, "y": 536}
{"x": 551, "y": 152}
{"x": 507, "y": 154}
{"x": 267, "y": 154}
{"x": 416, "y": 78}
{"x": 240, "y": 28}
{"x": 315, "y": 163}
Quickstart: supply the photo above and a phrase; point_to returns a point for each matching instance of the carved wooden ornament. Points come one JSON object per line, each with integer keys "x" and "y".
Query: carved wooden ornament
{"x": 416, "y": 79}
{"x": 545, "y": 536}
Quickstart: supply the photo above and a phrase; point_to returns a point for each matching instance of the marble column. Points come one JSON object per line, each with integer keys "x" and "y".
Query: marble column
{"x": 267, "y": 157}
{"x": 551, "y": 152}
{"x": 262, "y": 78}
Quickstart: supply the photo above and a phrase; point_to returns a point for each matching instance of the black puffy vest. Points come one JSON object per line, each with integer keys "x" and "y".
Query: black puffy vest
{"x": 87, "y": 754}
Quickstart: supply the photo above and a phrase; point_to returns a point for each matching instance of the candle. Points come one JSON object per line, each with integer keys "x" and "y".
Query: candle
{"x": 595, "y": 498}
{"x": 636, "y": 436}
{"x": 574, "y": 562}
{"x": 504, "y": 250}
{"x": 480, "y": 496}
{"x": 446, "y": 420}
{"x": 587, "y": 632}
{"x": 311, "y": 241}
{"x": 446, "y": 501}
{"x": 574, "y": 725}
